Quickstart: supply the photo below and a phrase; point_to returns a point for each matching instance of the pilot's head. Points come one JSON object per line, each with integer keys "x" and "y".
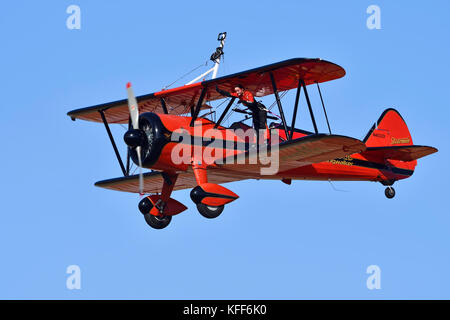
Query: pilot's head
{"x": 239, "y": 89}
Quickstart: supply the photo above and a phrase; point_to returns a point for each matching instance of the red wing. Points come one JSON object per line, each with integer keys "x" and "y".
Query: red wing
{"x": 179, "y": 100}
{"x": 153, "y": 181}
{"x": 299, "y": 152}
{"x": 403, "y": 153}
{"x": 286, "y": 75}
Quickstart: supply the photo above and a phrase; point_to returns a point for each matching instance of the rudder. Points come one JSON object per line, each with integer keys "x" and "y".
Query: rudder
{"x": 390, "y": 130}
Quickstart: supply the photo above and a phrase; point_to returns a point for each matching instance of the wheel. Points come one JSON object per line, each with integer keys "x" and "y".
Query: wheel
{"x": 157, "y": 222}
{"x": 209, "y": 212}
{"x": 389, "y": 192}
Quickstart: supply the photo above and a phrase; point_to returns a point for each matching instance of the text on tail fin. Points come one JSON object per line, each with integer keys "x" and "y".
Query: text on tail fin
{"x": 390, "y": 130}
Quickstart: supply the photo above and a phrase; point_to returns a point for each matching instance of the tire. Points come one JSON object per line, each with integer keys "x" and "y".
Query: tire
{"x": 389, "y": 192}
{"x": 157, "y": 222}
{"x": 209, "y": 212}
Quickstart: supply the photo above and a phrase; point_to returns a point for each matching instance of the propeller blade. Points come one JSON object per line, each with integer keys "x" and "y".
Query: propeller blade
{"x": 141, "y": 176}
{"x": 133, "y": 107}
{"x": 134, "y": 115}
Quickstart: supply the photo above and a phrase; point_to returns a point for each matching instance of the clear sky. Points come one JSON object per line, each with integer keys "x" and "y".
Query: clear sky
{"x": 277, "y": 241}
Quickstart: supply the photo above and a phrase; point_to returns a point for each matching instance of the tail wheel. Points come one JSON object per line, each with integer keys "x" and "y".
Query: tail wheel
{"x": 209, "y": 212}
{"x": 389, "y": 192}
{"x": 157, "y": 222}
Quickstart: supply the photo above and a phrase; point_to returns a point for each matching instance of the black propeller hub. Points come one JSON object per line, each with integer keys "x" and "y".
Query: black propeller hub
{"x": 134, "y": 138}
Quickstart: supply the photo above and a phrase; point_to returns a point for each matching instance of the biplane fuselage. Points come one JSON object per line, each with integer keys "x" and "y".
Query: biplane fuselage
{"x": 354, "y": 167}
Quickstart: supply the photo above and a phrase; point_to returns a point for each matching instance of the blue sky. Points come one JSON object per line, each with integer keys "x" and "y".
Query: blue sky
{"x": 277, "y": 241}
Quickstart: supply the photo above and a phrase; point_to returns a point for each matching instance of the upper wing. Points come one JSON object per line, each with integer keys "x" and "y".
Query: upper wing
{"x": 153, "y": 181}
{"x": 297, "y": 153}
{"x": 180, "y": 100}
{"x": 403, "y": 153}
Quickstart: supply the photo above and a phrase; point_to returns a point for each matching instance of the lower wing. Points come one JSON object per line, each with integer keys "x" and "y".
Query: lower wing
{"x": 153, "y": 181}
{"x": 296, "y": 153}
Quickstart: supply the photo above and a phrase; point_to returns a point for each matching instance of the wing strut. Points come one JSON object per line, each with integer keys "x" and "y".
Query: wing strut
{"x": 294, "y": 116}
{"x": 309, "y": 107}
{"x": 163, "y": 105}
{"x": 199, "y": 105}
{"x": 323, "y": 106}
{"x": 280, "y": 107}
{"x": 225, "y": 112}
{"x": 113, "y": 143}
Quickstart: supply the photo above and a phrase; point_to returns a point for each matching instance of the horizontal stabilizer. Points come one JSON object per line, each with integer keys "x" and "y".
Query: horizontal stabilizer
{"x": 403, "y": 153}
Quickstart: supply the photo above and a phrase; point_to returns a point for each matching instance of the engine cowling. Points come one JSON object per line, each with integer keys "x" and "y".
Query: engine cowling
{"x": 151, "y": 136}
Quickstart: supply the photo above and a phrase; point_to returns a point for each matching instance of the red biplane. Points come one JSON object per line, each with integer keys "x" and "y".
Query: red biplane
{"x": 161, "y": 124}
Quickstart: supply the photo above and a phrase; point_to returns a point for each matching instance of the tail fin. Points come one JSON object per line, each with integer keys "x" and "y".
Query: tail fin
{"x": 389, "y": 139}
{"x": 390, "y": 130}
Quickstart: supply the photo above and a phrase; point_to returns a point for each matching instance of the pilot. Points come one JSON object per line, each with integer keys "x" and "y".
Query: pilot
{"x": 259, "y": 111}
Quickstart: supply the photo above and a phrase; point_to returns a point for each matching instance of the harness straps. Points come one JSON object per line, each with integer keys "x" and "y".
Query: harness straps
{"x": 217, "y": 54}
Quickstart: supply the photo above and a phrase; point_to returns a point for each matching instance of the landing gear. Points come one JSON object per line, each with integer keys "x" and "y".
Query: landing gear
{"x": 157, "y": 222}
{"x": 389, "y": 192}
{"x": 159, "y": 209}
{"x": 210, "y": 198}
{"x": 209, "y": 212}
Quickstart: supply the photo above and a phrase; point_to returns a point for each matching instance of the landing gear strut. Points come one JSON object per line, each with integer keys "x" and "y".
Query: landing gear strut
{"x": 389, "y": 192}
{"x": 210, "y": 198}
{"x": 159, "y": 209}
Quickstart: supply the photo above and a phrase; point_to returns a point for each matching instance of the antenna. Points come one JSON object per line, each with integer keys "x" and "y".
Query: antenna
{"x": 215, "y": 57}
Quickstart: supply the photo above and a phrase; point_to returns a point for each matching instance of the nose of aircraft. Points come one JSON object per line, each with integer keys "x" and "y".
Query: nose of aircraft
{"x": 134, "y": 138}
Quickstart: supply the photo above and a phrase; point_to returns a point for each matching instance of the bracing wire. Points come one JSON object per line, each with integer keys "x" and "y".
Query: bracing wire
{"x": 196, "y": 68}
{"x": 281, "y": 97}
{"x": 229, "y": 114}
{"x": 336, "y": 189}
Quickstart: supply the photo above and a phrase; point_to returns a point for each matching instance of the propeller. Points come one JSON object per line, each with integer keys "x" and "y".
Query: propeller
{"x": 133, "y": 137}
